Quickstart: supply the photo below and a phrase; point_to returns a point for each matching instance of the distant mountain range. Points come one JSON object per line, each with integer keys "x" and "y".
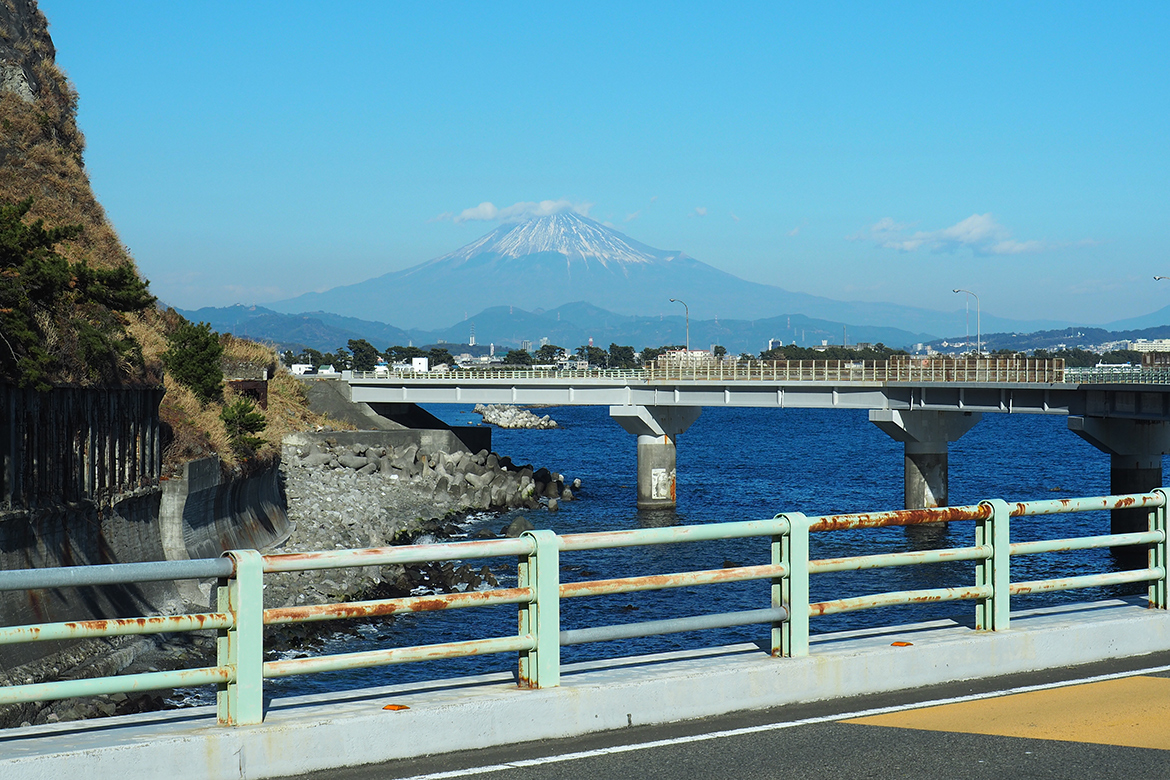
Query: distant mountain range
{"x": 569, "y": 279}
{"x": 553, "y": 261}
{"x": 567, "y": 326}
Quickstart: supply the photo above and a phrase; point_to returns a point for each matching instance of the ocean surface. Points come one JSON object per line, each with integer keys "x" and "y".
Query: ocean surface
{"x": 746, "y": 464}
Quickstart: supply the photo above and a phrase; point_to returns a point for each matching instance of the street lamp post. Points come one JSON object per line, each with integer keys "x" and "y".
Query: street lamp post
{"x": 686, "y": 309}
{"x": 1159, "y": 278}
{"x": 978, "y": 324}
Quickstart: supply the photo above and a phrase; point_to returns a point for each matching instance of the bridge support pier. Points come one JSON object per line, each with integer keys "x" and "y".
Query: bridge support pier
{"x": 925, "y": 435}
{"x": 657, "y": 428}
{"x": 1135, "y": 450}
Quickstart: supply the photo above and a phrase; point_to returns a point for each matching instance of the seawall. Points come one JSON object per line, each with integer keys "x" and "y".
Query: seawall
{"x": 80, "y": 484}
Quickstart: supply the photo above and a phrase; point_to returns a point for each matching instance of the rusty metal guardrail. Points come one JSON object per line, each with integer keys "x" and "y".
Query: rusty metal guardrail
{"x": 985, "y": 370}
{"x": 240, "y": 616}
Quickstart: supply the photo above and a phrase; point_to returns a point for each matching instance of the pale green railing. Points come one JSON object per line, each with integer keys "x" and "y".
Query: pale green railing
{"x": 240, "y": 616}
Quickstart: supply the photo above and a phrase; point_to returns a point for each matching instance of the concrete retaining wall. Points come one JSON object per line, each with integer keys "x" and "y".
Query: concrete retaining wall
{"x": 202, "y": 514}
{"x": 123, "y": 531}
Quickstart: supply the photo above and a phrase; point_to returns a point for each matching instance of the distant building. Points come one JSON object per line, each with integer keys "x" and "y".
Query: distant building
{"x": 526, "y": 345}
{"x": 683, "y": 357}
{"x": 1151, "y": 345}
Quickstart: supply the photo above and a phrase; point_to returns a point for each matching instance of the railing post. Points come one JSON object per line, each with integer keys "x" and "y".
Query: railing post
{"x": 791, "y": 549}
{"x": 541, "y": 618}
{"x": 1158, "y": 553}
{"x": 240, "y": 702}
{"x": 992, "y": 613}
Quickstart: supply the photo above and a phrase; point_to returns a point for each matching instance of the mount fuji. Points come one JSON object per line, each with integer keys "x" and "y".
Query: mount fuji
{"x": 563, "y": 258}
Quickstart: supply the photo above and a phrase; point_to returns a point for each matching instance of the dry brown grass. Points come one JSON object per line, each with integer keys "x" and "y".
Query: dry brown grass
{"x": 41, "y": 152}
{"x": 198, "y": 429}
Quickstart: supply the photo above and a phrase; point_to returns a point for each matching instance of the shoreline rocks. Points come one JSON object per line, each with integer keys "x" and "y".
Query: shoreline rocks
{"x": 357, "y": 495}
{"x": 339, "y": 497}
{"x": 507, "y": 416}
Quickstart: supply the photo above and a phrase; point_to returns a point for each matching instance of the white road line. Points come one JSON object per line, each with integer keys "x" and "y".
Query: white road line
{"x": 483, "y": 770}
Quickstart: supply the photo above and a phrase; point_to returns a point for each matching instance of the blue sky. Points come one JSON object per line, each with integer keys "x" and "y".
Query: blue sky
{"x": 249, "y": 152}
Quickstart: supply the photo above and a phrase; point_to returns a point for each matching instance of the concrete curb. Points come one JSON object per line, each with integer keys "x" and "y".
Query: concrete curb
{"x": 351, "y": 728}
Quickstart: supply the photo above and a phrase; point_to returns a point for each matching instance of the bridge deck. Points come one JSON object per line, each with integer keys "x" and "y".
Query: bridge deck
{"x": 1061, "y": 398}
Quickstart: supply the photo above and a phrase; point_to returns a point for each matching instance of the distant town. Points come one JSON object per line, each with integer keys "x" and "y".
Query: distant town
{"x": 360, "y": 355}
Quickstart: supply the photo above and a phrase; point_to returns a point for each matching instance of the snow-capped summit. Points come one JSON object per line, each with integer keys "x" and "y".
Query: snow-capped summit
{"x": 551, "y": 260}
{"x": 575, "y": 237}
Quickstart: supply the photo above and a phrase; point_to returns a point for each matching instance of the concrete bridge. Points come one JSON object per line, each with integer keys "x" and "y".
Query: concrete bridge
{"x": 925, "y": 404}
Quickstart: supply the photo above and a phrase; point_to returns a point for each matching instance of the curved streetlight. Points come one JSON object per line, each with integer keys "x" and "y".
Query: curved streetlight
{"x": 1158, "y": 278}
{"x": 978, "y": 325}
{"x": 686, "y": 309}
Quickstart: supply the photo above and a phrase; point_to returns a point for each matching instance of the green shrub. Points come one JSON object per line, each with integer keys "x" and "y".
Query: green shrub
{"x": 193, "y": 360}
{"x": 58, "y": 319}
{"x": 241, "y": 419}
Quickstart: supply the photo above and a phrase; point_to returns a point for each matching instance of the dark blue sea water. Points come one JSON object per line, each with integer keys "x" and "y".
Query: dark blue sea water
{"x": 741, "y": 464}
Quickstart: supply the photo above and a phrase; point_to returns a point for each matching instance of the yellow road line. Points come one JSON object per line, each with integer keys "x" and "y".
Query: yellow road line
{"x": 1130, "y": 712}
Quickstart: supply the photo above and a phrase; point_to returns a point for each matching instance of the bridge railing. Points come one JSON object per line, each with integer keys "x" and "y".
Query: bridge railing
{"x": 1094, "y": 375}
{"x": 240, "y": 616}
{"x": 1008, "y": 370}
{"x": 1001, "y": 370}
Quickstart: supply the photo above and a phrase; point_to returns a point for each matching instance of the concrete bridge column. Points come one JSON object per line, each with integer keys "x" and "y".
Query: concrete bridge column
{"x": 656, "y": 427}
{"x": 1135, "y": 450}
{"x": 925, "y": 435}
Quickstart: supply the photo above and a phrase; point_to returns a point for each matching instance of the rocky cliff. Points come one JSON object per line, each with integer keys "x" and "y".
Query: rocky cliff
{"x": 41, "y": 145}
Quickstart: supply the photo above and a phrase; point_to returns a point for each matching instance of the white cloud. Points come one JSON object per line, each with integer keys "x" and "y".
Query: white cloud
{"x": 734, "y": 217}
{"x": 633, "y": 216}
{"x": 489, "y": 212}
{"x": 700, "y": 211}
{"x": 795, "y": 231}
{"x": 483, "y": 212}
{"x": 979, "y": 232}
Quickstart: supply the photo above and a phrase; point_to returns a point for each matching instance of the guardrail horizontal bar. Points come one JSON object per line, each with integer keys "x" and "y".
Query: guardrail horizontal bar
{"x": 382, "y": 607}
{"x": 1086, "y": 542}
{"x": 600, "y": 540}
{"x": 114, "y": 573}
{"x": 899, "y": 597}
{"x": 84, "y": 629}
{"x": 1090, "y": 504}
{"x": 662, "y": 581}
{"x": 121, "y": 683}
{"x": 1086, "y": 581}
{"x": 940, "y": 514}
{"x": 883, "y": 560}
{"x": 578, "y": 636}
{"x": 398, "y": 655}
{"x": 383, "y": 556}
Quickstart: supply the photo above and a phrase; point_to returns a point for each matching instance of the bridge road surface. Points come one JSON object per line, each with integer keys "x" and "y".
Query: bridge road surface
{"x": 1105, "y": 720}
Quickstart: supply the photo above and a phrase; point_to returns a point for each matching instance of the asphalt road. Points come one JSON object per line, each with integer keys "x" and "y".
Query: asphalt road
{"x": 1107, "y": 720}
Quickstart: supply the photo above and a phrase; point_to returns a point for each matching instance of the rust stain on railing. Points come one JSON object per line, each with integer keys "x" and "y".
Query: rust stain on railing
{"x": 901, "y": 517}
{"x": 364, "y": 609}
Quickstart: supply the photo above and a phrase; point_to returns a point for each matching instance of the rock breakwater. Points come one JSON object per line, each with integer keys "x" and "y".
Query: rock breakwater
{"x": 507, "y": 416}
{"x": 344, "y": 495}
